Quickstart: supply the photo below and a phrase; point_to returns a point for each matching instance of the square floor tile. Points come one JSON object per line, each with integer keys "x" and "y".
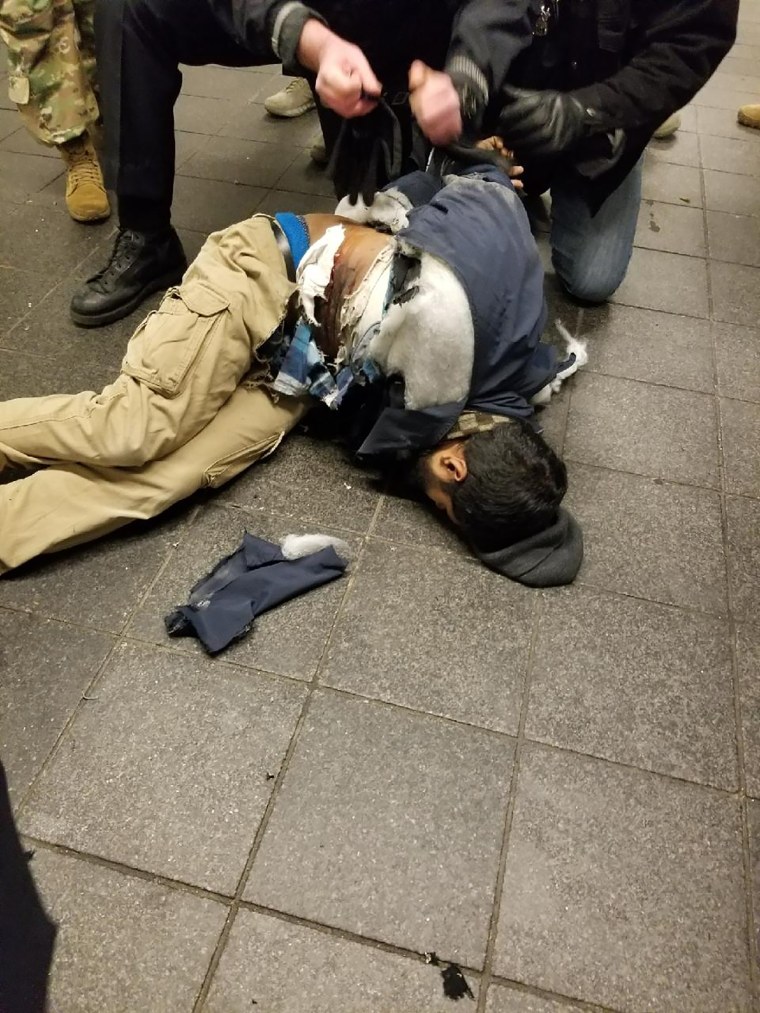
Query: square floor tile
{"x": 257, "y": 125}
{"x": 715, "y": 121}
{"x": 20, "y": 291}
{"x": 650, "y": 539}
{"x": 304, "y": 176}
{"x": 654, "y": 347}
{"x": 623, "y": 888}
{"x": 96, "y": 585}
{"x": 665, "y": 281}
{"x": 734, "y": 238}
{"x": 634, "y": 682}
{"x": 388, "y": 824}
{"x": 25, "y": 375}
{"x": 299, "y": 203}
{"x": 202, "y": 115}
{"x": 680, "y": 149}
{"x": 47, "y": 328}
{"x": 475, "y": 622}
{"x": 502, "y": 999}
{"x": 281, "y": 966}
{"x": 183, "y": 797}
{"x": 671, "y": 228}
{"x": 250, "y": 163}
{"x": 748, "y": 33}
{"x": 735, "y": 293}
{"x": 639, "y": 427}
{"x": 414, "y": 523}
{"x": 123, "y": 943}
{"x": 748, "y": 658}
{"x": 9, "y": 122}
{"x": 289, "y": 640}
{"x": 671, "y": 184}
{"x": 219, "y": 82}
{"x": 308, "y": 479}
{"x": 728, "y": 154}
{"x": 740, "y": 422}
{"x": 27, "y": 174}
{"x": 753, "y": 818}
{"x": 208, "y": 204}
{"x": 44, "y": 669}
{"x": 732, "y": 193}
{"x": 725, "y": 98}
{"x": 46, "y": 241}
{"x": 744, "y": 556}
{"x": 737, "y": 351}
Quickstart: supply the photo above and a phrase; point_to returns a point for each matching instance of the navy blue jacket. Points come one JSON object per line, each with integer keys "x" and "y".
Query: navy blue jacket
{"x": 476, "y": 223}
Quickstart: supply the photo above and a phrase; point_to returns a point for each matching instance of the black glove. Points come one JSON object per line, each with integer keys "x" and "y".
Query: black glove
{"x": 368, "y": 153}
{"x": 536, "y": 123}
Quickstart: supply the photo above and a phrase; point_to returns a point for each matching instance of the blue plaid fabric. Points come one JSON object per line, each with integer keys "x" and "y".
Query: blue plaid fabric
{"x": 299, "y": 367}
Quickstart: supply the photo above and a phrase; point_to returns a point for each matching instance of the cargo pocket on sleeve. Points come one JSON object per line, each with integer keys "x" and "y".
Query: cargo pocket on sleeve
{"x": 227, "y": 468}
{"x": 169, "y": 342}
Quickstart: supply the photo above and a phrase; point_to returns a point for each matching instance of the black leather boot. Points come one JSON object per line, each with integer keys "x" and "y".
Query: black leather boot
{"x": 141, "y": 263}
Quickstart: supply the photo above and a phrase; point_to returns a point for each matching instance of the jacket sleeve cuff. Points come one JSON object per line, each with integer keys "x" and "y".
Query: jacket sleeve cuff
{"x": 472, "y": 88}
{"x": 287, "y": 26}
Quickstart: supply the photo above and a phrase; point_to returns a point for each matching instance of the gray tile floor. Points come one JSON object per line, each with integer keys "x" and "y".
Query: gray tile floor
{"x": 558, "y": 791}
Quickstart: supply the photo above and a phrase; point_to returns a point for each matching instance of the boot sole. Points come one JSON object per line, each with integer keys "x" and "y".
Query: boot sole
{"x": 748, "y": 121}
{"x": 97, "y": 216}
{"x": 101, "y": 319}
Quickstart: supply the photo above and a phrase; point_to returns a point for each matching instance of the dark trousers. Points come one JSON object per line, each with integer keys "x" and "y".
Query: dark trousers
{"x": 140, "y": 44}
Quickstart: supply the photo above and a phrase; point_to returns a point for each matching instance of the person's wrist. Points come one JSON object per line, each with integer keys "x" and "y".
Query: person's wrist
{"x": 314, "y": 40}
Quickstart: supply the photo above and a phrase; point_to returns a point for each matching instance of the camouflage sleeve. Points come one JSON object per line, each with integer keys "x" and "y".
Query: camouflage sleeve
{"x": 51, "y": 65}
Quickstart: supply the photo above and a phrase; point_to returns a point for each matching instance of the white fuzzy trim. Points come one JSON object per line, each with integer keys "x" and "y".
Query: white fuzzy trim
{"x": 573, "y": 347}
{"x": 390, "y": 209}
{"x": 296, "y": 546}
{"x": 429, "y": 340}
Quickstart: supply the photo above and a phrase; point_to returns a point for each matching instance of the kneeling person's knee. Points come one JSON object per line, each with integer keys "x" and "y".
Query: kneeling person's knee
{"x": 589, "y": 280}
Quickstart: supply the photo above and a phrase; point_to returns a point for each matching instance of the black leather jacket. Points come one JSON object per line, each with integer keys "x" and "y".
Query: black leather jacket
{"x": 634, "y": 61}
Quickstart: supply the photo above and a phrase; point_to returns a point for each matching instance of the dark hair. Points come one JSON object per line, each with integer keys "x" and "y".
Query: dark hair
{"x": 515, "y": 483}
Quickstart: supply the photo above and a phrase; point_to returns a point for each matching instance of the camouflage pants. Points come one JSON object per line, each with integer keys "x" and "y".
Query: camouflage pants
{"x": 51, "y": 65}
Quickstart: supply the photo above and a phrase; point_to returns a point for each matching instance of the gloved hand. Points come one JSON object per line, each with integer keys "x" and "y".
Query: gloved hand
{"x": 536, "y": 123}
{"x": 367, "y": 154}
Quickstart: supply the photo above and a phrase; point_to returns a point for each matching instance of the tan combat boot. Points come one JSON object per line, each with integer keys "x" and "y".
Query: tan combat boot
{"x": 86, "y": 196}
{"x": 749, "y": 116}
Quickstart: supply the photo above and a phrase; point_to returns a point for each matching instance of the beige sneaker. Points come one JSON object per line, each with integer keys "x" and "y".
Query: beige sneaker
{"x": 295, "y": 99}
{"x": 749, "y": 116}
{"x": 668, "y": 128}
{"x": 86, "y": 196}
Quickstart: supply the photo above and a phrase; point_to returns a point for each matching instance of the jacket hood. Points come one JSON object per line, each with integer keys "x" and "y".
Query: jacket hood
{"x": 547, "y": 559}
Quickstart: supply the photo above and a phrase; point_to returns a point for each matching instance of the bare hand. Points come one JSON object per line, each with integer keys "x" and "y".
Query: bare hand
{"x": 435, "y": 104}
{"x": 345, "y": 81}
{"x": 497, "y": 144}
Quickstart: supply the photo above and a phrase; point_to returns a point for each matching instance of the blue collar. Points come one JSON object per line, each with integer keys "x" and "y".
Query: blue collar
{"x": 296, "y": 232}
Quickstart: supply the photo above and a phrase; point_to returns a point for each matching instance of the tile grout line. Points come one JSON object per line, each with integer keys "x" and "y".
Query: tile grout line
{"x": 751, "y": 941}
{"x": 84, "y": 699}
{"x": 493, "y": 927}
{"x": 312, "y": 686}
{"x": 211, "y": 896}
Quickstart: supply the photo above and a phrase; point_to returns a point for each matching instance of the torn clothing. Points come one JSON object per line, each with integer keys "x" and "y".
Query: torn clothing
{"x": 189, "y": 410}
{"x": 255, "y": 578}
{"x": 195, "y": 405}
{"x": 474, "y": 224}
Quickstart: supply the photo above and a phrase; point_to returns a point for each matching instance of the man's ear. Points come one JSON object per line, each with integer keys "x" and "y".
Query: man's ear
{"x": 454, "y": 462}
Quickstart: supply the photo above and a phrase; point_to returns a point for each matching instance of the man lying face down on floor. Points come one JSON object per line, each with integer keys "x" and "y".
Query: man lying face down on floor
{"x": 418, "y": 322}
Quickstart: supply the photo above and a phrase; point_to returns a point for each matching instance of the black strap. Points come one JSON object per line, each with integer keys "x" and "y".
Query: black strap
{"x": 284, "y": 247}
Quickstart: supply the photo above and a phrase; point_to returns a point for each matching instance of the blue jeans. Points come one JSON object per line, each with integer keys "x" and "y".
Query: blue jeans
{"x": 591, "y": 254}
